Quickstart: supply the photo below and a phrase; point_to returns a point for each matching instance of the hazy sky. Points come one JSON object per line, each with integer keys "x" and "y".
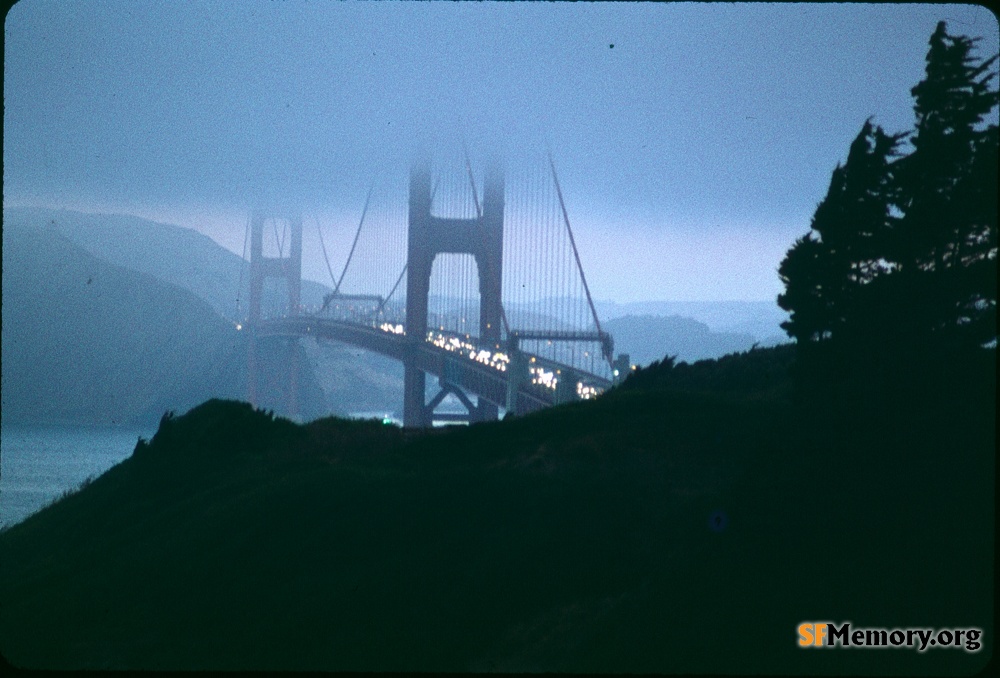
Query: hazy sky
{"x": 693, "y": 141}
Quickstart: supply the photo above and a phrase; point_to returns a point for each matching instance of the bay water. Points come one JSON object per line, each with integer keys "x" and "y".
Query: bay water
{"x": 39, "y": 464}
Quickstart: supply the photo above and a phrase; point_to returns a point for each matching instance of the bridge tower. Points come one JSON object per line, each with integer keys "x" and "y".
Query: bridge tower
{"x": 288, "y": 268}
{"x": 428, "y": 236}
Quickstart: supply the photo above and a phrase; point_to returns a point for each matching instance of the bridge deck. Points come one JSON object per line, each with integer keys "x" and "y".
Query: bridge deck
{"x": 457, "y": 360}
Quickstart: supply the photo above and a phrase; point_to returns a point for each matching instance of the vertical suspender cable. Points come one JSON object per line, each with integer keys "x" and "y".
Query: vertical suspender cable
{"x": 550, "y": 265}
{"x": 402, "y": 224}
{"x": 243, "y": 258}
{"x": 533, "y": 244}
{"x": 524, "y": 249}
{"x": 543, "y": 260}
{"x": 567, "y": 300}
{"x": 372, "y": 260}
{"x": 534, "y": 241}
{"x": 537, "y": 277}
{"x": 517, "y": 254}
{"x": 447, "y": 262}
{"x": 479, "y": 214}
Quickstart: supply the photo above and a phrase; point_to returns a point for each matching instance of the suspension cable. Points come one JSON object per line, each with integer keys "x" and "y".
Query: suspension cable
{"x": 356, "y": 236}
{"x": 325, "y": 257}
{"x": 279, "y": 242}
{"x": 576, "y": 254}
{"x": 393, "y": 290}
{"x": 472, "y": 179}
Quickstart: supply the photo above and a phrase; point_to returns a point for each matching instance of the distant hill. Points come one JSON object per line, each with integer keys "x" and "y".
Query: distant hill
{"x": 352, "y": 380}
{"x": 88, "y": 342}
{"x": 177, "y": 255}
{"x": 651, "y": 337}
{"x": 691, "y": 330}
{"x": 356, "y": 381}
{"x": 760, "y": 319}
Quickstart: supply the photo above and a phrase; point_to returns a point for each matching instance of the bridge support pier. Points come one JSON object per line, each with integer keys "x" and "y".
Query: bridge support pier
{"x": 293, "y": 379}
{"x": 517, "y": 374}
{"x": 485, "y": 411}
{"x": 621, "y": 368}
{"x": 414, "y": 388}
{"x": 252, "y": 366}
{"x": 566, "y": 386}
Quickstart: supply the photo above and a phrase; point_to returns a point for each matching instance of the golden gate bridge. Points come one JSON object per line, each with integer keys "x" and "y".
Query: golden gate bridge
{"x": 476, "y": 281}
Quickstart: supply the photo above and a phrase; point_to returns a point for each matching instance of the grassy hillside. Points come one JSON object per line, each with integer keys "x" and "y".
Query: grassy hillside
{"x": 583, "y": 538}
{"x": 88, "y": 342}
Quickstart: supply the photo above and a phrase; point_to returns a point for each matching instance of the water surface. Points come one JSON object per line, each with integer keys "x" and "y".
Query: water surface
{"x": 39, "y": 464}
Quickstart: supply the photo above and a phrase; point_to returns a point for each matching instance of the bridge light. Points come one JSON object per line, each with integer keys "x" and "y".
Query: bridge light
{"x": 238, "y": 327}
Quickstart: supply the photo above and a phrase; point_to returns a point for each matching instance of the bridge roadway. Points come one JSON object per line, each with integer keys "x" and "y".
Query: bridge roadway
{"x": 444, "y": 355}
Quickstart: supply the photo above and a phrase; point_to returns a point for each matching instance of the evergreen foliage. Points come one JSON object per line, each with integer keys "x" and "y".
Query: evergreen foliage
{"x": 901, "y": 256}
{"x": 757, "y": 372}
{"x": 826, "y": 271}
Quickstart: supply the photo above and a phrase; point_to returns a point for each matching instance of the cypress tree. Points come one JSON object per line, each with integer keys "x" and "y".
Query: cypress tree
{"x": 946, "y": 247}
{"x": 804, "y": 271}
{"x": 902, "y": 254}
{"x": 827, "y": 272}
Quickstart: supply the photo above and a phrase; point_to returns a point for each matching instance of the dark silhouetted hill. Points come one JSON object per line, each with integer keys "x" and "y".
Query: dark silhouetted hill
{"x": 685, "y": 523}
